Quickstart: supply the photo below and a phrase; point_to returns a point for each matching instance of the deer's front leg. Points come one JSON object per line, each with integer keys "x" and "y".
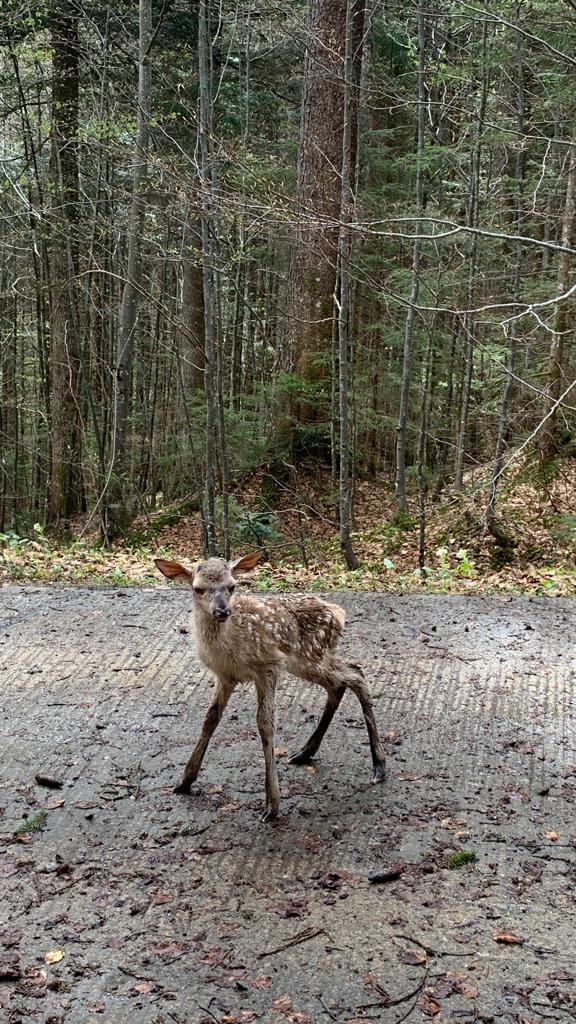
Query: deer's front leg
{"x": 266, "y": 721}
{"x": 224, "y": 690}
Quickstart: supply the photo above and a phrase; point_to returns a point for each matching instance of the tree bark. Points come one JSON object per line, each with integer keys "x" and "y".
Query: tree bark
{"x": 121, "y": 511}
{"x": 416, "y": 259}
{"x": 65, "y": 495}
{"x": 504, "y": 540}
{"x": 313, "y": 266}
{"x": 549, "y": 440}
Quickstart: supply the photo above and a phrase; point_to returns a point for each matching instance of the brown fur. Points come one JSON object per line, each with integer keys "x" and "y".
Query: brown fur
{"x": 242, "y": 638}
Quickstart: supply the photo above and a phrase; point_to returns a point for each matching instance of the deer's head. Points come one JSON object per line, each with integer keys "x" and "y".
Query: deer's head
{"x": 212, "y": 581}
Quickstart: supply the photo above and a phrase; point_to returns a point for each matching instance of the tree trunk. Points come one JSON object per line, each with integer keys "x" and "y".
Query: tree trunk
{"x": 549, "y": 441}
{"x": 343, "y": 300}
{"x": 122, "y": 510}
{"x": 66, "y": 425}
{"x": 313, "y": 266}
{"x": 504, "y": 540}
{"x": 469, "y": 324}
{"x": 205, "y": 118}
{"x": 416, "y": 257}
{"x": 192, "y": 345}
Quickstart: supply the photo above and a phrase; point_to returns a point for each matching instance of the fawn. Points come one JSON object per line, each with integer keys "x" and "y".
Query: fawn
{"x": 242, "y": 638}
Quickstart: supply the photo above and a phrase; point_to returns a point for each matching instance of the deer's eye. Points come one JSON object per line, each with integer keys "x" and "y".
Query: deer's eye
{"x": 200, "y": 591}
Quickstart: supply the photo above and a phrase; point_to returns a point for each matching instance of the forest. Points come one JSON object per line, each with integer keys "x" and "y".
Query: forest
{"x": 289, "y": 274}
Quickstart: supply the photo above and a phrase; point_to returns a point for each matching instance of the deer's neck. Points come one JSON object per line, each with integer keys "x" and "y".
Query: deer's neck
{"x": 208, "y": 630}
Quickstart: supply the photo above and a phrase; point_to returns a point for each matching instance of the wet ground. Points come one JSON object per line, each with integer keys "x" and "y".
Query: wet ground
{"x": 129, "y": 903}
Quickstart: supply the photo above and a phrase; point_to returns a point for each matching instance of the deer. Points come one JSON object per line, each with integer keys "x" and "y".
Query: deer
{"x": 242, "y": 638}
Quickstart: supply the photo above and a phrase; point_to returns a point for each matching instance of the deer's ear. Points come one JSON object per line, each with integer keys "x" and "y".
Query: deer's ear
{"x": 173, "y": 570}
{"x": 245, "y": 563}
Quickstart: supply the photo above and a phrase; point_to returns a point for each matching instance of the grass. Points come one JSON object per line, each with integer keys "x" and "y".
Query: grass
{"x": 461, "y": 857}
{"x": 33, "y": 823}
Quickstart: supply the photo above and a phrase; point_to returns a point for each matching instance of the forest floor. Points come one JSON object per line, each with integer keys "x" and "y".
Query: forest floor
{"x": 123, "y": 902}
{"x": 302, "y": 548}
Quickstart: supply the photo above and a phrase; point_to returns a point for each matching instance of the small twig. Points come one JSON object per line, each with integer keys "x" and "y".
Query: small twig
{"x": 328, "y": 1011}
{"x": 430, "y": 950}
{"x": 308, "y": 933}
{"x": 207, "y": 1010}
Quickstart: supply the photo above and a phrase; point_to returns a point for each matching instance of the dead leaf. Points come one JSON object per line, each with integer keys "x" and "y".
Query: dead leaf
{"x": 9, "y": 966}
{"x": 95, "y": 1007}
{"x": 214, "y": 956}
{"x": 280, "y": 751}
{"x": 407, "y": 776}
{"x": 416, "y": 957}
{"x": 10, "y": 936}
{"x": 53, "y": 805}
{"x": 239, "y": 1017}
{"x": 161, "y": 897}
{"x": 50, "y": 781}
{"x": 54, "y": 956}
{"x": 389, "y": 874}
{"x": 282, "y": 1005}
{"x": 143, "y": 987}
{"x": 507, "y": 939}
{"x": 552, "y": 836}
{"x": 428, "y": 1006}
{"x": 262, "y": 981}
{"x": 293, "y": 908}
{"x": 171, "y": 950}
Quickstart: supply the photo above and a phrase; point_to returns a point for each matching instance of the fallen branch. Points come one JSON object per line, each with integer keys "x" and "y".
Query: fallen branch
{"x": 308, "y": 933}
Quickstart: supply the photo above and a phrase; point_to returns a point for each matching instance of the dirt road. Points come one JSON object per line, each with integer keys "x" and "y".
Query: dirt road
{"x": 157, "y": 908}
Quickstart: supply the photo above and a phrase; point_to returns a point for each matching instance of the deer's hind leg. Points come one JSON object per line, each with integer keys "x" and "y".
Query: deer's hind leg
{"x": 357, "y": 683}
{"x": 224, "y": 690}
{"x": 311, "y": 747}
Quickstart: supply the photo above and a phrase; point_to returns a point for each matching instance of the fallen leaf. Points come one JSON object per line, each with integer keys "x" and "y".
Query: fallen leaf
{"x": 95, "y": 1007}
{"x": 171, "y": 950}
{"x": 507, "y": 939}
{"x": 143, "y": 987}
{"x": 214, "y": 956}
{"x": 330, "y": 880}
{"x": 54, "y": 956}
{"x": 280, "y": 751}
{"x": 428, "y": 1006}
{"x": 282, "y": 1005}
{"x": 262, "y": 981}
{"x": 552, "y": 836}
{"x": 161, "y": 897}
{"x": 49, "y": 781}
{"x": 10, "y": 936}
{"x": 53, "y": 805}
{"x": 389, "y": 874}
{"x": 293, "y": 908}
{"x": 239, "y": 1017}
{"x": 9, "y": 966}
{"x": 416, "y": 957}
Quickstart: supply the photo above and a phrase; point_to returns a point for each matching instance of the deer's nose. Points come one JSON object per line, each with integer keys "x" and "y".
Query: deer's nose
{"x": 221, "y": 613}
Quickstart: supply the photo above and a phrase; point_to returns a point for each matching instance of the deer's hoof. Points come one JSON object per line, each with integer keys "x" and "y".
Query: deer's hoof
{"x": 379, "y": 773}
{"x": 269, "y": 815}
{"x": 300, "y": 757}
{"x": 182, "y": 787}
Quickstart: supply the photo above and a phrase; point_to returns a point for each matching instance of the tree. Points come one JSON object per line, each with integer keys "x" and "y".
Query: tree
{"x": 65, "y": 497}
